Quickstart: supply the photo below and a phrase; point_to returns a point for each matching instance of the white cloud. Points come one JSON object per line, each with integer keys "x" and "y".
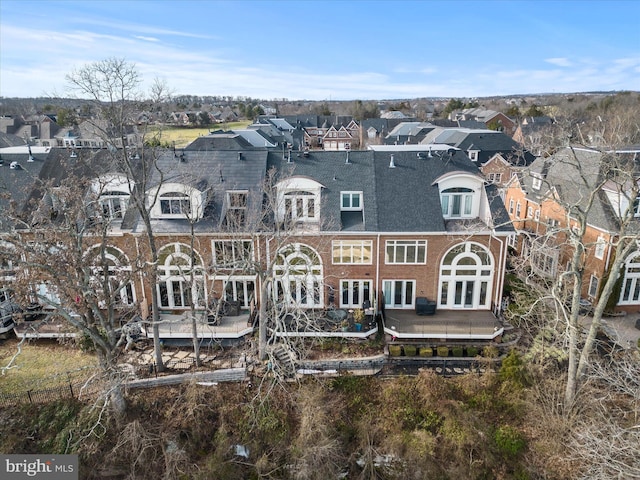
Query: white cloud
{"x": 559, "y": 61}
{"x": 148, "y": 39}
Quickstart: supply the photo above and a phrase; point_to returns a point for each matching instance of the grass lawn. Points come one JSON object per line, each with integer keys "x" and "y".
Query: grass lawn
{"x": 41, "y": 364}
{"x": 183, "y": 136}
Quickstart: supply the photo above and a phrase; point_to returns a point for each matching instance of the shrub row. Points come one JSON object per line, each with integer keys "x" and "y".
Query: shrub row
{"x": 442, "y": 351}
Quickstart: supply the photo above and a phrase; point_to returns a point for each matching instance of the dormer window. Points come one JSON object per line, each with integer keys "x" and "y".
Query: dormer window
{"x": 351, "y": 201}
{"x": 175, "y": 204}
{"x": 176, "y": 200}
{"x": 536, "y": 183}
{"x": 236, "y": 208}
{"x": 473, "y": 155}
{"x": 457, "y": 202}
{"x": 299, "y": 200}
{"x": 113, "y": 204}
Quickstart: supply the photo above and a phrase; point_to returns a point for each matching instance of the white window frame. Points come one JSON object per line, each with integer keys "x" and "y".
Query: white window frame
{"x": 600, "y": 248}
{"x": 174, "y": 278}
{"x": 536, "y": 215}
{"x": 630, "y": 291}
{"x": 536, "y": 182}
{"x": 239, "y": 287}
{"x": 466, "y": 277}
{"x": 407, "y": 293}
{"x": 529, "y": 211}
{"x": 518, "y": 209}
{"x": 352, "y": 252}
{"x": 178, "y": 203}
{"x": 232, "y": 253}
{"x": 348, "y": 199}
{"x": 113, "y": 204}
{"x": 349, "y": 292}
{"x": 397, "y": 252}
{"x": 512, "y": 204}
{"x": 457, "y": 202}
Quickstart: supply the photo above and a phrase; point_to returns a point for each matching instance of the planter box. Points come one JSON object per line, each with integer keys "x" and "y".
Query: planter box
{"x": 443, "y": 351}
{"x": 410, "y": 351}
{"x": 426, "y": 352}
{"x": 395, "y": 350}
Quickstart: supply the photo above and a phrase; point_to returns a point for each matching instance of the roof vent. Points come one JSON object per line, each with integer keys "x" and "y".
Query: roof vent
{"x": 73, "y": 154}
{"x": 289, "y": 157}
{"x": 347, "y": 162}
{"x": 422, "y": 155}
{"x": 430, "y": 155}
{"x": 239, "y": 155}
{"x": 392, "y": 163}
{"x": 15, "y": 166}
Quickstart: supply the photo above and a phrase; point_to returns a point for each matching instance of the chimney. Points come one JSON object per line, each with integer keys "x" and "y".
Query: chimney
{"x": 392, "y": 164}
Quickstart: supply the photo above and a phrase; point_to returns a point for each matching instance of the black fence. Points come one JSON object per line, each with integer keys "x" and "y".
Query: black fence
{"x": 45, "y": 395}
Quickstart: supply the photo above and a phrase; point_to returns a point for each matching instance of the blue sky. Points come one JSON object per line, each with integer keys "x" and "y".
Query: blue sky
{"x": 328, "y": 50}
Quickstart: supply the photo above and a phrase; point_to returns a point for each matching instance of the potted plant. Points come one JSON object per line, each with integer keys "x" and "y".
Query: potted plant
{"x": 358, "y": 318}
{"x": 344, "y": 325}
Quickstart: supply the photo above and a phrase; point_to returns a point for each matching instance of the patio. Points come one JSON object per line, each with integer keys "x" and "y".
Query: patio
{"x": 179, "y": 327}
{"x": 330, "y": 323}
{"x": 443, "y": 325}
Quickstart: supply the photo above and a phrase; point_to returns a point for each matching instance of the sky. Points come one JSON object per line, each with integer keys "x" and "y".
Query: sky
{"x": 327, "y": 50}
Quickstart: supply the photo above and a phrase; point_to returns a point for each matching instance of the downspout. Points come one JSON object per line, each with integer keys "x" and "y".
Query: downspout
{"x": 500, "y": 285}
{"x": 377, "y": 271}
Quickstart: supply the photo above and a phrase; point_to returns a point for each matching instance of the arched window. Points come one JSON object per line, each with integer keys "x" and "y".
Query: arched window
{"x": 115, "y": 268}
{"x": 630, "y": 293}
{"x": 177, "y": 287}
{"x": 466, "y": 277}
{"x": 112, "y": 193}
{"x": 298, "y": 273}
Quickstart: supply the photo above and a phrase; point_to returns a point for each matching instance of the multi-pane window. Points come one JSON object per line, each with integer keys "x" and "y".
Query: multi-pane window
{"x": 354, "y": 293}
{"x": 399, "y": 293}
{"x": 175, "y": 203}
{"x": 518, "y": 209}
{"x": 241, "y": 290}
{"x": 406, "y": 251}
{"x": 631, "y": 283}
{"x": 113, "y": 204}
{"x": 536, "y": 183}
{"x": 457, "y": 202}
{"x": 351, "y": 251}
{"x": 232, "y": 253}
{"x": 236, "y": 208}
{"x": 300, "y": 206}
{"x": 495, "y": 177}
{"x": 544, "y": 261}
{"x": 180, "y": 281}
{"x": 351, "y": 201}
{"x": 511, "y": 206}
{"x": 600, "y": 248}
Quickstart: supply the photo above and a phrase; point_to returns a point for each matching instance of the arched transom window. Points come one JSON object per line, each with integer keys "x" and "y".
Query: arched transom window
{"x": 298, "y": 273}
{"x": 466, "y": 275}
{"x": 630, "y": 292}
{"x": 111, "y": 276}
{"x": 180, "y": 280}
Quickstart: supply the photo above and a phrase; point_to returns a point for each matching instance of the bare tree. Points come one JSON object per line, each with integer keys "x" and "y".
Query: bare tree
{"x": 112, "y": 86}
{"x": 66, "y": 261}
{"x": 576, "y": 180}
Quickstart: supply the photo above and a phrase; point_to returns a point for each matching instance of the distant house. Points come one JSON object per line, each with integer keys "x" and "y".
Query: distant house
{"x": 536, "y": 202}
{"x": 490, "y": 118}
